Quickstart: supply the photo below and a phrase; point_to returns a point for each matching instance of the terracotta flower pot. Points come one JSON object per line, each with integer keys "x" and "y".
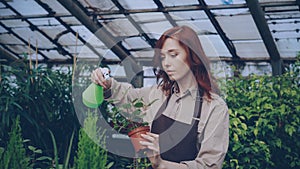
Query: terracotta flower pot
{"x": 135, "y": 137}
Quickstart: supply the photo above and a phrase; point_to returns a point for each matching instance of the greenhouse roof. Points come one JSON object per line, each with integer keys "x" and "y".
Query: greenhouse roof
{"x": 62, "y": 31}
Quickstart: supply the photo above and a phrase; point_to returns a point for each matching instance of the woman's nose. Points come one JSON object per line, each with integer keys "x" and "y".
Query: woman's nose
{"x": 167, "y": 61}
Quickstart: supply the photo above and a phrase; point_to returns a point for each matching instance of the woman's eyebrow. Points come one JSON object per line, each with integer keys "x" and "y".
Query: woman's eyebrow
{"x": 169, "y": 50}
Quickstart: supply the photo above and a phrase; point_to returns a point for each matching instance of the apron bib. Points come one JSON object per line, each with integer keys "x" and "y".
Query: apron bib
{"x": 177, "y": 140}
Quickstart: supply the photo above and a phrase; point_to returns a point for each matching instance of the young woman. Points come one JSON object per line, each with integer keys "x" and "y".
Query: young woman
{"x": 190, "y": 122}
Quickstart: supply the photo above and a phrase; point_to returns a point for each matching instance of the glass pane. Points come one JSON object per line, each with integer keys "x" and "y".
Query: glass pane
{"x": 121, "y": 27}
{"x": 2, "y": 30}
{"x": 6, "y": 12}
{"x": 53, "y": 31}
{"x": 6, "y": 38}
{"x": 83, "y": 32}
{"x": 190, "y": 15}
{"x": 98, "y": 4}
{"x": 179, "y": 2}
{"x": 288, "y": 47}
{"x": 148, "y": 17}
{"x": 140, "y": 4}
{"x": 71, "y": 21}
{"x": 20, "y": 49}
{"x": 287, "y": 28}
{"x": 117, "y": 70}
{"x": 156, "y": 28}
{"x": 110, "y": 55}
{"x": 15, "y": 23}
{"x": 251, "y": 49}
{"x": 68, "y": 39}
{"x": 135, "y": 43}
{"x": 33, "y": 37}
{"x": 239, "y": 27}
{"x": 53, "y": 54}
{"x": 264, "y": 1}
{"x": 203, "y": 27}
{"x": 143, "y": 55}
{"x": 213, "y": 46}
{"x": 56, "y": 7}
{"x": 22, "y": 7}
{"x": 224, "y": 2}
{"x": 85, "y": 52}
{"x": 44, "y": 21}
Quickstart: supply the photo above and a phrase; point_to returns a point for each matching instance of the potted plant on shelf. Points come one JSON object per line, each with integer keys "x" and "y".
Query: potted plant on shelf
{"x": 128, "y": 119}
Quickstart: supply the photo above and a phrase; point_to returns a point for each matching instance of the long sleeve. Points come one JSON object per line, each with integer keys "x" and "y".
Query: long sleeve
{"x": 122, "y": 93}
{"x": 214, "y": 136}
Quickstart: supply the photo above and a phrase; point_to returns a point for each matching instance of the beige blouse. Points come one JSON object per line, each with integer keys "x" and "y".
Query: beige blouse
{"x": 213, "y": 128}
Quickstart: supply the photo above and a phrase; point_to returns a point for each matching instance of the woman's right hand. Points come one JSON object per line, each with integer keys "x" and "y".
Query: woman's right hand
{"x": 97, "y": 77}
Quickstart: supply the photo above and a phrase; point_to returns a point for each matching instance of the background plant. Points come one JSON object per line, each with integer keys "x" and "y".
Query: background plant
{"x": 127, "y": 116}
{"x": 14, "y": 155}
{"x": 42, "y": 98}
{"x": 91, "y": 146}
{"x": 264, "y": 121}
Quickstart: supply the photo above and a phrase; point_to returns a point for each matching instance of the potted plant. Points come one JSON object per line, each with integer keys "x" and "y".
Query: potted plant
{"x": 128, "y": 119}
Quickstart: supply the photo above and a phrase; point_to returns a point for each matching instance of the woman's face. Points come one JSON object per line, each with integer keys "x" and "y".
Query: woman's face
{"x": 174, "y": 60}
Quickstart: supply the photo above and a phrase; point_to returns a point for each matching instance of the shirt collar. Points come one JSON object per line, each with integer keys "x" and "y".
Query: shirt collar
{"x": 190, "y": 91}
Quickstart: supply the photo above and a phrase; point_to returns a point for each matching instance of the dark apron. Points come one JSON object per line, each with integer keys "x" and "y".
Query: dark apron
{"x": 177, "y": 140}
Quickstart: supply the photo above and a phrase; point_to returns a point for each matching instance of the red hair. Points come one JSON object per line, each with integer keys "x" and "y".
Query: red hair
{"x": 197, "y": 60}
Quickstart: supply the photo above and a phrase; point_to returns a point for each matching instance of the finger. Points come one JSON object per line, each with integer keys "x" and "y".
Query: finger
{"x": 152, "y": 134}
{"x": 146, "y": 143}
{"x": 150, "y": 146}
{"x": 148, "y": 137}
{"x": 99, "y": 78}
{"x": 94, "y": 77}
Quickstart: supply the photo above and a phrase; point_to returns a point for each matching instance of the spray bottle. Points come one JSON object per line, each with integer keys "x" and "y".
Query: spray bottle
{"x": 92, "y": 96}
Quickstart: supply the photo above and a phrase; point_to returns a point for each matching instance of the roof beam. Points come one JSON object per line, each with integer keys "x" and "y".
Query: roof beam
{"x": 263, "y": 28}
{"x": 101, "y": 33}
{"x": 5, "y": 55}
{"x": 68, "y": 27}
{"x": 192, "y": 8}
{"x": 220, "y": 31}
{"x": 22, "y": 40}
{"x": 166, "y": 13}
{"x": 34, "y": 27}
{"x": 132, "y": 21}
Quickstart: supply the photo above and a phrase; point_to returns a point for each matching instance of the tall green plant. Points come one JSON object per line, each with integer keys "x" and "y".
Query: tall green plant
{"x": 91, "y": 146}
{"x": 66, "y": 163}
{"x": 264, "y": 121}
{"x": 14, "y": 156}
{"x": 42, "y": 98}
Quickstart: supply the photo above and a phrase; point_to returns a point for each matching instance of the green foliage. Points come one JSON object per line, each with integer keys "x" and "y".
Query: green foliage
{"x": 91, "y": 146}
{"x": 66, "y": 163}
{"x": 14, "y": 156}
{"x": 127, "y": 116}
{"x": 140, "y": 163}
{"x": 42, "y": 98}
{"x": 264, "y": 121}
{"x": 38, "y": 160}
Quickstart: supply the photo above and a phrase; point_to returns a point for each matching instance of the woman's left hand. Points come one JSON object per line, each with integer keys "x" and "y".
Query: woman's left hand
{"x": 152, "y": 143}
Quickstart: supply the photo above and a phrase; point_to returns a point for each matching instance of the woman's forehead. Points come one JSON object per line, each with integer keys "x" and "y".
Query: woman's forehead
{"x": 171, "y": 45}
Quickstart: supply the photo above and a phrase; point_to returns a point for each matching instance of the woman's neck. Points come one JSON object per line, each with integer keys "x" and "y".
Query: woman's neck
{"x": 186, "y": 83}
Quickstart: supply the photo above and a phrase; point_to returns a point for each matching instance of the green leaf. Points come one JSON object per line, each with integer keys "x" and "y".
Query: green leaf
{"x": 255, "y": 131}
{"x": 44, "y": 158}
{"x": 31, "y": 148}
{"x": 139, "y": 104}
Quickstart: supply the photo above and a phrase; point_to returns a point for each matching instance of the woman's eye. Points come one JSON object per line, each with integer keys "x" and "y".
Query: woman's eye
{"x": 173, "y": 54}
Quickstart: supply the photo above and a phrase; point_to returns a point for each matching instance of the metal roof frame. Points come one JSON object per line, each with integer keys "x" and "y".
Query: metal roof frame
{"x": 89, "y": 18}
